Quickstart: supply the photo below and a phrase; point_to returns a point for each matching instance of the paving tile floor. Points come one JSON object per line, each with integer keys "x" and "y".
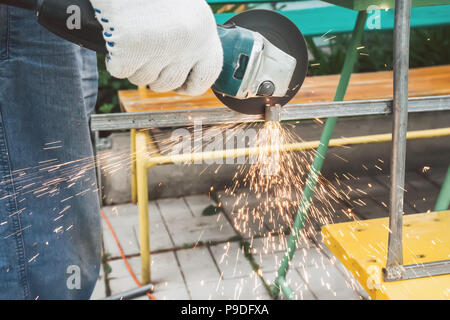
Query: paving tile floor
{"x": 216, "y": 268}
{"x": 203, "y": 257}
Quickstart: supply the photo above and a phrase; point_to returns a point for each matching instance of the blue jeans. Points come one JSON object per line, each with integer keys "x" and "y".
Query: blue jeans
{"x": 50, "y": 235}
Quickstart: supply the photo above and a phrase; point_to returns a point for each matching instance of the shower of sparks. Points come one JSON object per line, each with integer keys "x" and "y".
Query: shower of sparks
{"x": 268, "y": 193}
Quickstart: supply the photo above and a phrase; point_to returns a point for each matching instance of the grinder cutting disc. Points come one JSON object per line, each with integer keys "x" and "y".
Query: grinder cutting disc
{"x": 285, "y": 35}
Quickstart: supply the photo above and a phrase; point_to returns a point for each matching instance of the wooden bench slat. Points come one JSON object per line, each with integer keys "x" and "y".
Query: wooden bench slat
{"x": 427, "y": 81}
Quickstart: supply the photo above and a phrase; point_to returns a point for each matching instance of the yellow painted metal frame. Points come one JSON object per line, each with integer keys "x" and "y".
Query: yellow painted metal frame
{"x": 143, "y": 160}
{"x": 362, "y": 247}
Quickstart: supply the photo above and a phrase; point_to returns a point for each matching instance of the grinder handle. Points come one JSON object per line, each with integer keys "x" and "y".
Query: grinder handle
{"x": 60, "y": 17}
{"x": 73, "y": 20}
{"x": 55, "y": 16}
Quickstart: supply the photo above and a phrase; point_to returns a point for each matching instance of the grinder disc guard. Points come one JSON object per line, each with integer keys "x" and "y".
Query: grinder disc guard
{"x": 285, "y": 35}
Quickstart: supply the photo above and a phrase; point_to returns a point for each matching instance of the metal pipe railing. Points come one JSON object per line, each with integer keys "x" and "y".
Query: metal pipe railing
{"x": 400, "y": 123}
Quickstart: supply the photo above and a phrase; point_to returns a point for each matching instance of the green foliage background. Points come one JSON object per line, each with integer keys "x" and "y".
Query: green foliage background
{"x": 429, "y": 47}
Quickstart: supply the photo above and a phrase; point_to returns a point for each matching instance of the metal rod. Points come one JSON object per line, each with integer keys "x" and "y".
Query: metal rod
{"x": 347, "y": 69}
{"x": 443, "y": 201}
{"x": 400, "y": 123}
{"x": 132, "y": 294}
{"x": 273, "y": 113}
{"x": 422, "y": 270}
{"x": 98, "y": 168}
{"x": 221, "y": 115}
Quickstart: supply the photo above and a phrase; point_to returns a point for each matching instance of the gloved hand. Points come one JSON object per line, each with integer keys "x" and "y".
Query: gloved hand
{"x": 167, "y": 44}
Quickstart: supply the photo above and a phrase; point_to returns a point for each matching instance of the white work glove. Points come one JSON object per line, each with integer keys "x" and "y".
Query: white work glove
{"x": 166, "y": 44}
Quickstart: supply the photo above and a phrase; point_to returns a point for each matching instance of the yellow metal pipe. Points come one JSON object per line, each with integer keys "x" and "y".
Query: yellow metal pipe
{"x": 142, "y": 192}
{"x": 133, "y": 166}
{"x": 300, "y": 146}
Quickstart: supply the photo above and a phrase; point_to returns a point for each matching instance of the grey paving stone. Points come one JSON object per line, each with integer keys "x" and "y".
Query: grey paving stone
{"x": 125, "y": 219}
{"x": 128, "y": 214}
{"x": 198, "y": 203}
{"x": 351, "y": 280}
{"x": 119, "y": 270}
{"x": 191, "y": 230}
{"x": 269, "y": 256}
{"x": 327, "y": 283}
{"x": 159, "y": 236}
{"x": 126, "y": 237}
{"x": 295, "y": 282}
{"x": 197, "y": 265}
{"x": 309, "y": 257}
{"x": 174, "y": 209}
{"x": 122, "y": 215}
{"x": 166, "y": 274}
{"x": 231, "y": 260}
{"x": 244, "y": 288}
{"x": 100, "y": 288}
{"x": 277, "y": 243}
{"x": 241, "y": 213}
{"x": 269, "y": 262}
{"x": 122, "y": 219}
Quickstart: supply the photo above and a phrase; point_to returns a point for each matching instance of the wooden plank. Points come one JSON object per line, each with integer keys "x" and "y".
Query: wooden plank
{"x": 383, "y": 4}
{"x": 375, "y": 85}
{"x": 317, "y": 21}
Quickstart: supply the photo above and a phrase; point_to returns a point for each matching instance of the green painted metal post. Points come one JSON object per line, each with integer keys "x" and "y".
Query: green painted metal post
{"x": 443, "y": 201}
{"x": 350, "y": 60}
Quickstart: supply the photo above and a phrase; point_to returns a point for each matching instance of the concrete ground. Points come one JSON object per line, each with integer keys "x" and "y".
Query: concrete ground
{"x": 206, "y": 257}
{"x": 201, "y": 257}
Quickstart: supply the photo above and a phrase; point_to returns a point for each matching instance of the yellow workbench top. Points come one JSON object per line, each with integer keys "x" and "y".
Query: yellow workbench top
{"x": 362, "y": 247}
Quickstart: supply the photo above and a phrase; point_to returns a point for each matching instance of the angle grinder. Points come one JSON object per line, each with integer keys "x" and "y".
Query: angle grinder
{"x": 265, "y": 54}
